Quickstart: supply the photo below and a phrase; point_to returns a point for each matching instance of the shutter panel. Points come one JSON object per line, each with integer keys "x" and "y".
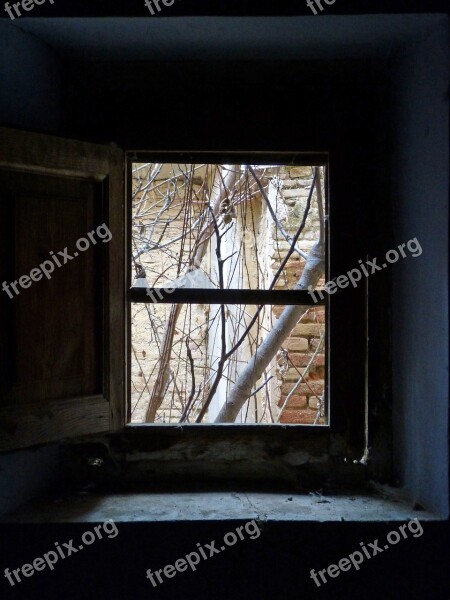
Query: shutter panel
{"x": 62, "y": 302}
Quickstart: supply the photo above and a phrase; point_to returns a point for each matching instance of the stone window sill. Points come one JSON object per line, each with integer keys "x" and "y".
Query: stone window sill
{"x": 147, "y": 507}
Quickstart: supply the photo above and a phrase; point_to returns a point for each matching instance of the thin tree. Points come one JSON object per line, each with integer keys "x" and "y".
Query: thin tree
{"x": 313, "y": 271}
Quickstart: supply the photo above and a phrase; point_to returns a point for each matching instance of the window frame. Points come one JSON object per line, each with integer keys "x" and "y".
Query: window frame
{"x": 341, "y": 426}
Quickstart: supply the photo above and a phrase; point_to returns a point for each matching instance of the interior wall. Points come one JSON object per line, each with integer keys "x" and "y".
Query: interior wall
{"x": 26, "y": 474}
{"x": 420, "y": 292}
{"x": 340, "y": 106}
{"x": 226, "y": 105}
{"x": 31, "y": 77}
{"x": 298, "y": 112}
{"x": 30, "y": 98}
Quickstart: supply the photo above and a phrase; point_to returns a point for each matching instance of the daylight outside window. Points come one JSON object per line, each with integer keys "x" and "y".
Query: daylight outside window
{"x": 210, "y": 229}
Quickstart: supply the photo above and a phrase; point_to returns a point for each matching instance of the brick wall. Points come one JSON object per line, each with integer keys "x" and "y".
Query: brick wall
{"x": 289, "y": 196}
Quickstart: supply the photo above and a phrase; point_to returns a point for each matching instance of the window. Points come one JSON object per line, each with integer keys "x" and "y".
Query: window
{"x": 163, "y": 283}
{"x": 73, "y": 380}
{"x": 253, "y": 236}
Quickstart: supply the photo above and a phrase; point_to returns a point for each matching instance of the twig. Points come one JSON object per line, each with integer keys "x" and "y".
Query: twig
{"x": 192, "y": 394}
{"x": 261, "y": 386}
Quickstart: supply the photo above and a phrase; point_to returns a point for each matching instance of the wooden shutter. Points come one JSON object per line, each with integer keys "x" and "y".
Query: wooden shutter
{"x": 62, "y": 333}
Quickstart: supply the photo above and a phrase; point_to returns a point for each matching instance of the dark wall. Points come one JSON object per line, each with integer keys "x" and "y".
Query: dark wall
{"x": 312, "y": 106}
{"x": 30, "y": 98}
{"x": 30, "y": 75}
{"x": 23, "y": 475}
{"x": 420, "y": 300}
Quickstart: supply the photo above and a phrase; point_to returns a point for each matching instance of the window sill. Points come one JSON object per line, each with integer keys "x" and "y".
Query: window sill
{"x": 220, "y": 506}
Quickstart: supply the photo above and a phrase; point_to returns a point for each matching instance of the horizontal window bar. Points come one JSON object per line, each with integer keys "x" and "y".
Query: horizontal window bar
{"x": 217, "y": 296}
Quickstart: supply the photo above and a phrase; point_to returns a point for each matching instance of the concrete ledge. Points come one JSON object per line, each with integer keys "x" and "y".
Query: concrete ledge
{"x": 218, "y": 506}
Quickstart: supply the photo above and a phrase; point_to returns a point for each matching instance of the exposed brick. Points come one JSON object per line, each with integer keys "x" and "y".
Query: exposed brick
{"x": 313, "y": 402}
{"x": 297, "y": 345}
{"x": 316, "y": 373}
{"x": 295, "y": 401}
{"x": 299, "y": 417}
{"x": 313, "y": 343}
{"x": 293, "y": 374}
{"x": 321, "y": 317}
{"x": 313, "y": 387}
{"x": 300, "y": 172}
{"x": 302, "y": 360}
{"x": 314, "y": 315}
{"x": 307, "y": 330}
